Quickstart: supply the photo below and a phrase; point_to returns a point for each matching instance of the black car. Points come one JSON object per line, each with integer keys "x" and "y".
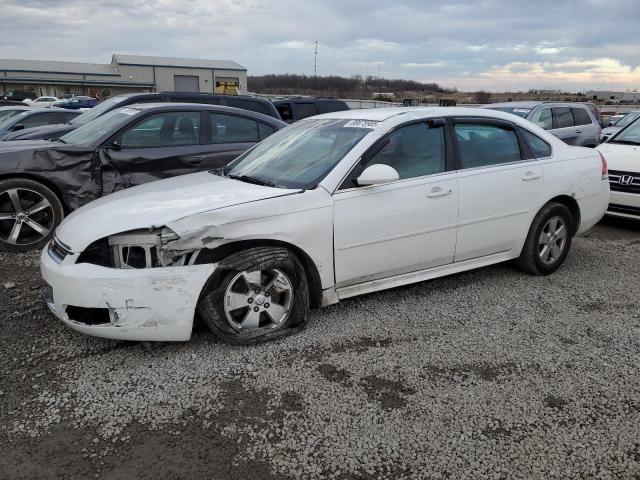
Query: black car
{"x": 296, "y": 108}
{"x": 76, "y": 103}
{"x": 19, "y": 95}
{"x": 16, "y": 119}
{"x": 55, "y": 131}
{"x": 41, "y": 180}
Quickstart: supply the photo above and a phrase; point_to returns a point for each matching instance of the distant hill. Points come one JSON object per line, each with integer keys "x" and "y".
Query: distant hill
{"x": 342, "y": 87}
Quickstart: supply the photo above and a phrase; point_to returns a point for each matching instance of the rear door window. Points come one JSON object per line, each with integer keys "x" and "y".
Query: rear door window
{"x": 304, "y": 110}
{"x": 481, "y": 145}
{"x": 564, "y": 118}
{"x": 284, "y": 109}
{"x": 233, "y": 129}
{"x": 39, "y": 119}
{"x": 581, "y": 116}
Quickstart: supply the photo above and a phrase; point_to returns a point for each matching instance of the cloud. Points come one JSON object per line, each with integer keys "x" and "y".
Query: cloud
{"x": 491, "y": 44}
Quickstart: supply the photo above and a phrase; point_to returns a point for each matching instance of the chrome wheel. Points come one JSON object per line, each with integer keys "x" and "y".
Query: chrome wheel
{"x": 26, "y": 217}
{"x": 258, "y": 299}
{"x": 553, "y": 239}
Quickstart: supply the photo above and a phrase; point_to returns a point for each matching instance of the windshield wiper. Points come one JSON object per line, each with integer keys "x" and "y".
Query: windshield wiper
{"x": 58, "y": 140}
{"x": 254, "y": 180}
{"x": 624, "y": 142}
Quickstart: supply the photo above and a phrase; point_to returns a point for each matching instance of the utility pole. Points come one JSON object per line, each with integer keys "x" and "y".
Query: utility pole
{"x": 315, "y": 61}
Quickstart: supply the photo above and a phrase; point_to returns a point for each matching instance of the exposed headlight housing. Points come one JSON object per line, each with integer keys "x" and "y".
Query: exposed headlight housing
{"x": 135, "y": 249}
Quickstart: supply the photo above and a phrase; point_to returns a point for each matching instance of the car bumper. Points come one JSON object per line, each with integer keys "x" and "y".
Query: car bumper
{"x": 156, "y": 304}
{"x": 593, "y": 207}
{"x": 625, "y": 205}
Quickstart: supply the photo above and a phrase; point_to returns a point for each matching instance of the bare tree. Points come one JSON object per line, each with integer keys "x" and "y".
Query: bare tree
{"x": 482, "y": 97}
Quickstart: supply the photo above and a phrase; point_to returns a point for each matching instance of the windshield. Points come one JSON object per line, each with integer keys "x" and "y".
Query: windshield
{"x": 8, "y": 120}
{"x": 627, "y": 119}
{"x": 520, "y": 111}
{"x": 5, "y": 114}
{"x": 630, "y": 135}
{"x": 98, "y": 110}
{"x": 299, "y": 156}
{"x": 87, "y": 134}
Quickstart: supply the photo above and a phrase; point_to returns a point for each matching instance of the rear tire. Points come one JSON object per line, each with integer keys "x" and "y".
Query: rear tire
{"x": 548, "y": 241}
{"x": 29, "y": 214}
{"x": 256, "y": 295}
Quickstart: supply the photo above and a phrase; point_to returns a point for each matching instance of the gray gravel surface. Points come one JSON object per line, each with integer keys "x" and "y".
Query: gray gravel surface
{"x": 489, "y": 374}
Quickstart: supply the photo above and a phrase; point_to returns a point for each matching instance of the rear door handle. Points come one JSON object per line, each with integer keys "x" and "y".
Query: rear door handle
{"x": 439, "y": 192}
{"x": 195, "y": 160}
{"x": 578, "y": 131}
{"x": 529, "y": 176}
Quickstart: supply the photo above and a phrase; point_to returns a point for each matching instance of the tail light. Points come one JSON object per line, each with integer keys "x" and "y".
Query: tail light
{"x": 605, "y": 167}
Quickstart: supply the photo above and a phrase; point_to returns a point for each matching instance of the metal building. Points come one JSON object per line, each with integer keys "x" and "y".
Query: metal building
{"x": 125, "y": 73}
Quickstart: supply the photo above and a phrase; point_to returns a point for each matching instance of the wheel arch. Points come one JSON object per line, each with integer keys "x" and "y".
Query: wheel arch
{"x": 44, "y": 181}
{"x": 311, "y": 270}
{"x": 573, "y": 207}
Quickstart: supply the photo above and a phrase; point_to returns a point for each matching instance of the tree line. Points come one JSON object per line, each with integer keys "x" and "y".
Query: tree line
{"x": 356, "y": 86}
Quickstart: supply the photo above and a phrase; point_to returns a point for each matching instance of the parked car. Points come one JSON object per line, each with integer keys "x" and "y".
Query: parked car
{"x": 77, "y": 103}
{"x": 619, "y": 125}
{"x": 622, "y": 152}
{"x": 41, "y": 180}
{"x": 52, "y": 132}
{"x": 331, "y": 207}
{"x": 34, "y": 117}
{"x": 9, "y": 111}
{"x": 294, "y": 109}
{"x": 43, "y": 102}
{"x": 19, "y": 95}
{"x": 574, "y": 123}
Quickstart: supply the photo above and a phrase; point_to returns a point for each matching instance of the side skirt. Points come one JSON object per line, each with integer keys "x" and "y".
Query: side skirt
{"x": 414, "y": 277}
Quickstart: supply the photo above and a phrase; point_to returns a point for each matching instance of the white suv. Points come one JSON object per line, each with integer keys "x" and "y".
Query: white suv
{"x": 334, "y": 206}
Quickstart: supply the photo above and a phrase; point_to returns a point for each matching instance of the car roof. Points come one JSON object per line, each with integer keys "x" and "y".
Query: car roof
{"x": 398, "y": 115}
{"x": 16, "y": 107}
{"x": 171, "y": 106}
{"x": 523, "y": 104}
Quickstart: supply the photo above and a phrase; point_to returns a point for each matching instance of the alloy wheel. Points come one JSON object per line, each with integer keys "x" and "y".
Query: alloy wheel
{"x": 552, "y": 240}
{"x": 258, "y": 299}
{"x": 26, "y": 217}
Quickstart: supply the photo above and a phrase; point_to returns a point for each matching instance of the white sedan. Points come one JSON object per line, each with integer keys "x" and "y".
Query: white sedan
{"x": 623, "y": 155}
{"x": 331, "y": 207}
{"x": 44, "y": 102}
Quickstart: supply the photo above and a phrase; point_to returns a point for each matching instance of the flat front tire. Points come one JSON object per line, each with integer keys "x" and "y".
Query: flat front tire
{"x": 548, "y": 241}
{"x": 256, "y": 295}
{"x": 29, "y": 213}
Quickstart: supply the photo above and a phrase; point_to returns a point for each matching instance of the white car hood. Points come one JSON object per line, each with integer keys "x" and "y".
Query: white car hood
{"x": 625, "y": 158}
{"x": 157, "y": 203}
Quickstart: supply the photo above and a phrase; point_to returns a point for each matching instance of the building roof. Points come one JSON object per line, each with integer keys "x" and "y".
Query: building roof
{"x": 175, "y": 62}
{"x": 50, "y": 66}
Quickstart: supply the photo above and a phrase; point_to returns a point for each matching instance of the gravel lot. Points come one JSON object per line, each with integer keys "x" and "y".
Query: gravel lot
{"x": 488, "y": 374}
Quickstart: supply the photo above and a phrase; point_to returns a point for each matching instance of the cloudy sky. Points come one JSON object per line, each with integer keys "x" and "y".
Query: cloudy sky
{"x": 493, "y": 45}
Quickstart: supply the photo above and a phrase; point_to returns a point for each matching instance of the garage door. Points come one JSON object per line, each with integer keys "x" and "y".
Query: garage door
{"x": 186, "y": 83}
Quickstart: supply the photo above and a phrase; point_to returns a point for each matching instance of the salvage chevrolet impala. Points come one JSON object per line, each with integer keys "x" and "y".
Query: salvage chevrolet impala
{"x": 332, "y": 207}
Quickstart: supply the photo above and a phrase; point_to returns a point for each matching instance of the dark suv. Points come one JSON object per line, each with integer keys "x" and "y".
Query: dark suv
{"x": 296, "y": 108}
{"x": 52, "y": 132}
{"x": 19, "y": 95}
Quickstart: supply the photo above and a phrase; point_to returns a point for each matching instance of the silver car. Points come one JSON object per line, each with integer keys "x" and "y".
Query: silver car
{"x": 574, "y": 123}
{"x": 614, "y": 128}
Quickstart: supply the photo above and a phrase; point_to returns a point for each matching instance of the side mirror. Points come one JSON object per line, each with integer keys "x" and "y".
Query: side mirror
{"x": 116, "y": 145}
{"x": 17, "y": 127}
{"x": 610, "y": 124}
{"x": 377, "y": 174}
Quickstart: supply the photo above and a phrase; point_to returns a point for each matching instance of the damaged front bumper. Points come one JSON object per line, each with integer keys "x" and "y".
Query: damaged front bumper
{"x": 154, "y": 304}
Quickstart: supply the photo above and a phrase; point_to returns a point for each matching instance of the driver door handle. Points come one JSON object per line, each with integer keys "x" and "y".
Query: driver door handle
{"x": 529, "y": 176}
{"x": 439, "y": 192}
{"x": 578, "y": 131}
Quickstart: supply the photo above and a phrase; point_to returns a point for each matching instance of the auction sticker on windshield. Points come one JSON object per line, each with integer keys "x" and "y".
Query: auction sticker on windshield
{"x": 362, "y": 123}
